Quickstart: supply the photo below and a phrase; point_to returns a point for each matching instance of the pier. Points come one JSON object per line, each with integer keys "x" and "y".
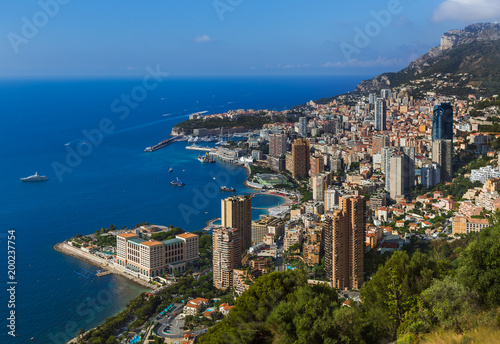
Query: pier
{"x": 210, "y": 224}
{"x": 102, "y": 273}
{"x": 162, "y": 144}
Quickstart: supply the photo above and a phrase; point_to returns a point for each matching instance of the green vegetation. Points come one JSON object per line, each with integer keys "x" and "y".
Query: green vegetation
{"x": 457, "y": 188}
{"x": 167, "y": 235}
{"x": 477, "y": 58}
{"x": 143, "y": 308}
{"x": 423, "y": 292}
{"x": 306, "y": 194}
{"x": 282, "y": 308}
{"x": 256, "y": 121}
{"x": 205, "y": 250}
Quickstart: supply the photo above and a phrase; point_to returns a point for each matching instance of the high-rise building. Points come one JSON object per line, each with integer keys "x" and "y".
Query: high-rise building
{"x": 398, "y": 164}
{"x": 431, "y": 175}
{"x": 372, "y": 98}
{"x": 317, "y": 165}
{"x": 331, "y": 198}
{"x": 318, "y": 185}
{"x": 236, "y": 212}
{"x": 442, "y": 153}
{"x": 277, "y": 145}
{"x": 300, "y": 158}
{"x": 410, "y": 153}
{"x": 380, "y": 115}
{"x": 399, "y": 175}
{"x": 344, "y": 232}
{"x": 303, "y": 126}
{"x": 442, "y": 122}
{"x": 226, "y": 255}
{"x": 379, "y": 142}
{"x": 385, "y": 94}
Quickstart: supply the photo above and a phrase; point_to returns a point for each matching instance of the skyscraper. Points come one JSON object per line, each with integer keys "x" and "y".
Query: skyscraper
{"x": 380, "y": 115}
{"x": 442, "y": 122}
{"x": 317, "y": 165}
{"x": 277, "y": 145}
{"x": 226, "y": 255}
{"x": 345, "y": 243}
{"x": 442, "y": 153}
{"x": 398, "y": 164}
{"x": 303, "y": 126}
{"x": 236, "y": 212}
{"x": 431, "y": 175}
{"x": 318, "y": 184}
{"x": 398, "y": 175}
{"x": 385, "y": 93}
{"x": 300, "y": 163}
{"x": 442, "y": 139}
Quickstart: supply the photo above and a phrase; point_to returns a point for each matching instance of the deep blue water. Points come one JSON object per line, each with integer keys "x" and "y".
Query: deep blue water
{"x": 112, "y": 182}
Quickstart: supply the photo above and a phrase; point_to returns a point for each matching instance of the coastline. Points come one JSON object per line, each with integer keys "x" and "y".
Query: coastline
{"x": 99, "y": 262}
{"x": 287, "y": 200}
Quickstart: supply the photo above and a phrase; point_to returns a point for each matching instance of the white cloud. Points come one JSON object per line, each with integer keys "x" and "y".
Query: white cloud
{"x": 380, "y": 61}
{"x": 468, "y": 10}
{"x": 203, "y": 39}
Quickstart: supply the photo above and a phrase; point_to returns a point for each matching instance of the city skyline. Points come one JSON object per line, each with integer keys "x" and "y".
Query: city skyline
{"x": 63, "y": 38}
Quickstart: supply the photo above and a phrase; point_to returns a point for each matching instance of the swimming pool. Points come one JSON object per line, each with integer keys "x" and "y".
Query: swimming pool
{"x": 136, "y": 339}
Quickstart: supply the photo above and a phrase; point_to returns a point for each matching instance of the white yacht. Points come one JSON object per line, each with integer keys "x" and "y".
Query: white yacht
{"x": 34, "y": 178}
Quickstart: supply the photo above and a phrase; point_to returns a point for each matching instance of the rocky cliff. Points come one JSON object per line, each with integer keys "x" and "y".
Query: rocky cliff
{"x": 471, "y": 50}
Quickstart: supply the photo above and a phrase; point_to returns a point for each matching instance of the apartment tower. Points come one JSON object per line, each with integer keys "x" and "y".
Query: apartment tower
{"x": 226, "y": 255}
{"x": 236, "y": 212}
{"x": 300, "y": 163}
{"x": 345, "y": 242}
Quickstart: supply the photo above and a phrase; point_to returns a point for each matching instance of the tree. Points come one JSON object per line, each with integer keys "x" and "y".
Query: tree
{"x": 392, "y": 292}
{"x": 111, "y": 340}
{"x": 479, "y": 266}
{"x": 447, "y": 303}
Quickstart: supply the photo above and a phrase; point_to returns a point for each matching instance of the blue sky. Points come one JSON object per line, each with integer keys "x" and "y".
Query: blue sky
{"x": 225, "y": 37}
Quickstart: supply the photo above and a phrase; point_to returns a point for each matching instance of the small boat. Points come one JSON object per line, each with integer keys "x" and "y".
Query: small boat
{"x": 34, "y": 178}
{"x": 206, "y": 159}
{"x": 226, "y": 189}
{"x": 170, "y": 170}
{"x": 177, "y": 182}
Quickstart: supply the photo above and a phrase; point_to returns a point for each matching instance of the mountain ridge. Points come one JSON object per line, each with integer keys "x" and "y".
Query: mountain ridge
{"x": 473, "y": 50}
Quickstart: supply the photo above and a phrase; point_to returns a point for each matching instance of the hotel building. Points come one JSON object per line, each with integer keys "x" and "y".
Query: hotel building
{"x": 150, "y": 258}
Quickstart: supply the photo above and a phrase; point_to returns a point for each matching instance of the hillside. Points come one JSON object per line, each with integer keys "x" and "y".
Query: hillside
{"x": 447, "y": 293}
{"x": 473, "y": 52}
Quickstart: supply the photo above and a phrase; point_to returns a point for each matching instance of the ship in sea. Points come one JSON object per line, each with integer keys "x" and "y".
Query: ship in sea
{"x": 170, "y": 170}
{"x": 226, "y": 189}
{"x": 206, "y": 158}
{"x": 34, "y": 178}
{"x": 177, "y": 182}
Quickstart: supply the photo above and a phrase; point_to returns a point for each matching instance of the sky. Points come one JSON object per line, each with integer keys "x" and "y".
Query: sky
{"x": 68, "y": 38}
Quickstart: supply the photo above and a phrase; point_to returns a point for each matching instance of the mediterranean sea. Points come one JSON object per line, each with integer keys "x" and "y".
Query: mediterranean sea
{"x": 110, "y": 181}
